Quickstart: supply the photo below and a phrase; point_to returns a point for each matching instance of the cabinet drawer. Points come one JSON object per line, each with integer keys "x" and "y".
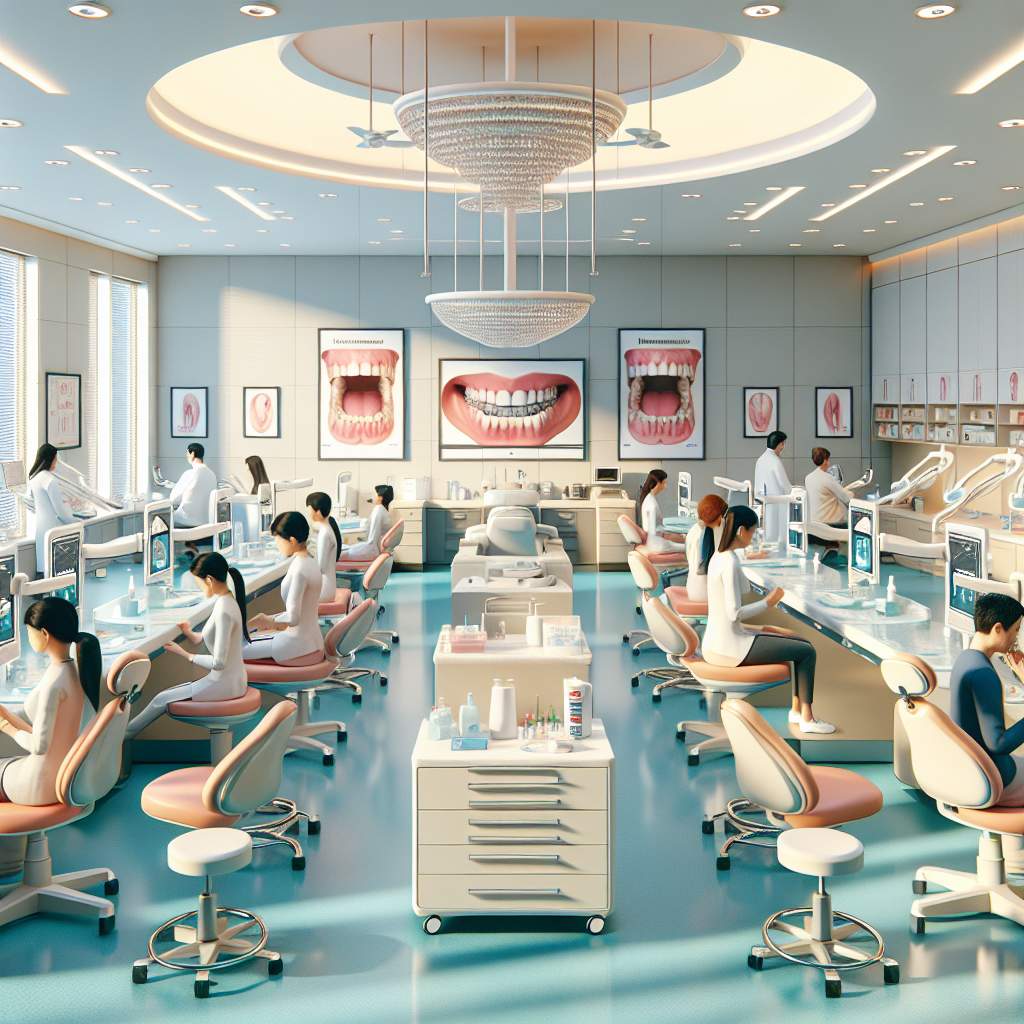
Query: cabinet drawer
{"x": 553, "y": 788}
{"x": 496, "y": 860}
{"x": 410, "y": 515}
{"x": 527, "y": 828}
{"x": 610, "y": 528}
{"x": 409, "y": 553}
{"x": 412, "y": 529}
{"x": 497, "y": 894}
{"x": 559, "y": 518}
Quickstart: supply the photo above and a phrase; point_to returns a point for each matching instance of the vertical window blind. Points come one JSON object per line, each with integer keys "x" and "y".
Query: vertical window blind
{"x": 123, "y": 418}
{"x": 90, "y": 383}
{"x": 12, "y": 373}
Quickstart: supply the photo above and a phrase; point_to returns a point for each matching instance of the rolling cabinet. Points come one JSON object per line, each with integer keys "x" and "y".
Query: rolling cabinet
{"x": 410, "y": 554}
{"x": 577, "y": 529}
{"x": 611, "y": 545}
{"x": 504, "y": 831}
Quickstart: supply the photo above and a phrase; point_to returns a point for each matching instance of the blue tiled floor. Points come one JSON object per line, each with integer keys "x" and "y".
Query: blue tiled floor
{"x": 677, "y": 942}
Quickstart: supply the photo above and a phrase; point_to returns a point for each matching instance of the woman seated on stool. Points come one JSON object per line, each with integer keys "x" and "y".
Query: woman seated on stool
{"x": 701, "y": 543}
{"x": 59, "y": 705}
{"x": 649, "y": 513}
{"x": 378, "y": 525}
{"x": 297, "y": 629}
{"x": 328, "y": 541}
{"x": 223, "y": 634}
{"x": 727, "y": 641}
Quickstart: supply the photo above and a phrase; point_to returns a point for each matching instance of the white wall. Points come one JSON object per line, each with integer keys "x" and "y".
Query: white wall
{"x": 231, "y": 321}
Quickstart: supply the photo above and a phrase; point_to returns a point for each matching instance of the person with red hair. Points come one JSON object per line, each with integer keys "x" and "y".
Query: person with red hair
{"x": 702, "y": 542}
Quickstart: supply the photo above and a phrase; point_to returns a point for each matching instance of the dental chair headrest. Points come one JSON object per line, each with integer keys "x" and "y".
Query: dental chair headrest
{"x": 511, "y": 496}
{"x": 908, "y": 675}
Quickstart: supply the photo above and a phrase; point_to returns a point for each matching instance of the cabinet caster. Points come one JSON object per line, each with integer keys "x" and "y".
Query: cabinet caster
{"x": 920, "y": 887}
{"x": 275, "y": 968}
{"x": 383, "y": 680}
{"x": 298, "y": 863}
{"x": 106, "y": 925}
{"x": 891, "y": 974}
{"x": 140, "y": 974}
{"x": 917, "y": 923}
{"x": 432, "y": 925}
{"x": 595, "y": 924}
{"x": 111, "y": 887}
{"x": 722, "y": 863}
{"x": 201, "y": 988}
{"x": 394, "y": 638}
{"x": 754, "y": 962}
{"x": 634, "y": 682}
{"x": 313, "y": 827}
{"x": 693, "y": 760}
{"x": 328, "y": 760}
{"x": 833, "y": 988}
{"x": 655, "y": 698}
{"x": 357, "y": 698}
{"x": 707, "y": 827}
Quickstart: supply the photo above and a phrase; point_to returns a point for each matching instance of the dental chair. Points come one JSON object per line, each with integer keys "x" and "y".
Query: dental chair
{"x": 354, "y": 627}
{"x": 966, "y": 786}
{"x": 377, "y": 574}
{"x": 88, "y": 773}
{"x": 388, "y": 542}
{"x": 647, "y": 579}
{"x": 217, "y": 717}
{"x": 210, "y": 801}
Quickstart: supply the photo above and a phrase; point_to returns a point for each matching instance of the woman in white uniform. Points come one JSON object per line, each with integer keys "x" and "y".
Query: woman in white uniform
{"x": 63, "y": 700}
{"x": 771, "y": 479}
{"x": 649, "y": 514}
{"x": 328, "y": 541}
{"x": 51, "y": 507}
{"x": 378, "y": 525}
{"x": 296, "y": 631}
{"x": 223, "y": 635}
{"x": 702, "y": 542}
{"x": 727, "y": 641}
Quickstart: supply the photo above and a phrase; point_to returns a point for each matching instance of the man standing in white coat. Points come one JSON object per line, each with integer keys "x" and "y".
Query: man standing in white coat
{"x": 771, "y": 479}
{"x": 191, "y": 494}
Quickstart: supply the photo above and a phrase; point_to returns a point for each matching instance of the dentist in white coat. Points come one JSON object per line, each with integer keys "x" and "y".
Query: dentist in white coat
{"x": 50, "y": 504}
{"x": 771, "y": 479}
{"x": 191, "y": 494}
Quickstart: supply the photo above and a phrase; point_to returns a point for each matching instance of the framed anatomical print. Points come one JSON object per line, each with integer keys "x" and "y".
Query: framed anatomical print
{"x": 188, "y": 412}
{"x": 261, "y": 412}
{"x": 64, "y": 410}
{"x": 834, "y": 412}
{"x": 661, "y": 393}
{"x": 511, "y": 409}
{"x": 760, "y": 411}
{"x": 362, "y": 393}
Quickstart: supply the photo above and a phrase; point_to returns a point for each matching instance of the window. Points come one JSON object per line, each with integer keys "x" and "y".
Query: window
{"x": 123, "y": 420}
{"x": 12, "y": 374}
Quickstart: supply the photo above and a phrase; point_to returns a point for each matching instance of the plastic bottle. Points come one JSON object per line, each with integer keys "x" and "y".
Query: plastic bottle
{"x": 469, "y": 718}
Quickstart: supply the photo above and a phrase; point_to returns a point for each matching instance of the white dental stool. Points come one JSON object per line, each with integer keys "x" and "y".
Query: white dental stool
{"x": 214, "y": 943}
{"x": 822, "y": 938}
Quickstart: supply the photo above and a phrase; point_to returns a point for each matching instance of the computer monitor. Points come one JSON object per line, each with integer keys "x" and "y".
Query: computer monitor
{"x": 684, "y": 495}
{"x": 10, "y": 632}
{"x": 863, "y": 556}
{"x": 966, "y": 554}
{"x": 607, "y": 476}
{"x": 796, "y": 531}
{"x": 65, "y": 556}
{"x": 158, "y": 543}
{"x": 220, "y": 513}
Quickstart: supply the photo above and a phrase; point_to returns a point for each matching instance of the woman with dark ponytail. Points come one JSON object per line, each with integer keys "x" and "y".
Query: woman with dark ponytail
{"x": 649, "y": 515}
{"x": 328, "y": 541}
{"x": 61, "y": 702}
{"x": 223, "y": 635}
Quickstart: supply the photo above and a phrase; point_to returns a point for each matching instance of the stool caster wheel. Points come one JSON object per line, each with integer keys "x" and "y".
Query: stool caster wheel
{"x": 383, "y": 680}
{"x": 111, "y": 887}
{"x": 357, "y": 698}
{"x": 917, "y": 923}
{"x": 328, "y": 760}
{"x": 636, "y": 652}
{"x": 693, "y": 760}
{"x": 634, "y": 682}
{"x": 625, "y": 638}
{"x": 202, "y": 988}
{"x": 394, "y": 638}
{"x": 140, "y": 974}
{"x": 595, "y": 924}
{"x": 680, "y": 734}
{"x": 313, "y": 827}
{"x": 891, "y": 974}
{"x": 275, "y": 967}
{"x": 920, "y": 887}
{"x": 298, "y": 863}
{"x": 655, "y": 698}
{"x": 755, "y": 963}
{"x": 342, "y": 735}
{"x": 707, "y": 827}
{"x": 722, "y": 863}
{"x": 833, "y": 988}
{"x": 432, "y": 925}
{"x": 106, "y": 925}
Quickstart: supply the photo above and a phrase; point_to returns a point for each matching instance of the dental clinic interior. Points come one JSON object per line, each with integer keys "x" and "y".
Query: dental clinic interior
{"x": 511, "y": 513}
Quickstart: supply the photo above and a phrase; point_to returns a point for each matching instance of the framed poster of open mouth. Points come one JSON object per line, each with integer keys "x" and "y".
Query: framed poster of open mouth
{"x": 362, "y": 393}
{"x": 661, "y": 393}
{"x": 511, "y": 409}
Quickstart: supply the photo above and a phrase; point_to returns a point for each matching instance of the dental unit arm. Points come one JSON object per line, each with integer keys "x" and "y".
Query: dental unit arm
{"x": 1016, "y": 499}
{"x": 731, "y": 486}
{"x": 919, "y": 477}
{"x": 280, "y": 486}
{"x": 160, "y": 480}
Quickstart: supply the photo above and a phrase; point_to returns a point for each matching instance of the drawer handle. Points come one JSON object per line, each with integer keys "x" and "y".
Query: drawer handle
{"x": 516, "y": 822}
{"x": 515, "y": 803}
{"x": 510, "y": 787}
{"x": 503, "y": 840}
{"x": 567, "y": 516}
{"x": 458, "y": 516}
{"x": 498, "y": 770}
{"x": 544, "y": 858}
{"x": 514, "y": 892}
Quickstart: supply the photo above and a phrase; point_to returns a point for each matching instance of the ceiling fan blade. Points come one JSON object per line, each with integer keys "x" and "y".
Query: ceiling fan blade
{"x": 363, "y": 133}
{"x": 639, "y": 133}
{"x": 399, "y": 143}
{"x": 624, "y": 142}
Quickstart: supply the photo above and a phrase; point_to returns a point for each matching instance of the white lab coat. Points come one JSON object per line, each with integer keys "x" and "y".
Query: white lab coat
{"x": 191, "y": 495}
{"x": 827, "y": 499}
{"x": 696, "y": 581}
{"x": 727, "y": 641}
{"x": 51, "y": 510}
{"x": 770, "y": 478}
{"x": 300, "y": 591}
{"x": 650, "y": 520}
{"x": 379, "y": 524}
{"x": 327, "y": 558}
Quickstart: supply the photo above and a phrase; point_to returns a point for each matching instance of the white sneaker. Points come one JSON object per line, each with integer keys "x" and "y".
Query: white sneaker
{"x": 816, "y": 725}
{"x": 794, "y": 717}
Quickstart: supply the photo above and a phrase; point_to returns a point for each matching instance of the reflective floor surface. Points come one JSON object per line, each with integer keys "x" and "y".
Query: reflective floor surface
{"x": 676, "y": 945}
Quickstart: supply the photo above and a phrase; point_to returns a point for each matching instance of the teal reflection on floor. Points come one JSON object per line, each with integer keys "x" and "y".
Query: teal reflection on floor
{"x": 677, "y": 941}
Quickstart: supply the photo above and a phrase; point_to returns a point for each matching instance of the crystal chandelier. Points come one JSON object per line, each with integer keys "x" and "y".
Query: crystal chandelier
{"x": 471, "y": 204}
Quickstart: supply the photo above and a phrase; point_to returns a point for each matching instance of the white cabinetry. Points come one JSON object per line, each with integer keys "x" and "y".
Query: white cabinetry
{"x": 942, "y": 321}
{"x": 885, "y": 330}
{"x": 977, "y": 315}
{"x": 913, "y": 326}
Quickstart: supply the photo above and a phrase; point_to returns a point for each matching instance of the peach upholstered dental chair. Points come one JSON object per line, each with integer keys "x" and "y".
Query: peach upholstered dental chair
{"x": 390, "y": 540}
{"x": 966, "y": 786}
{"x": 647, "y": 578}
{"x": 375, "y": 579}
{"x": 88, "y": 772}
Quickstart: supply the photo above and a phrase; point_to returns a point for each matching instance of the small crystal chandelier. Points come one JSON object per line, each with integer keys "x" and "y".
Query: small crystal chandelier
{"x": 510, "y": 319}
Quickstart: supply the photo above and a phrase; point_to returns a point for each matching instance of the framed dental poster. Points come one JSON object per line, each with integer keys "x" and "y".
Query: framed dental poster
{"x": 361, "y": 396}
{"x": 833, "y": 412}
{"x": 511, "y": 409}
{"x": 661, "y": 393}
{"x": 64, "y": 410}
{"x": 189, "y": 412}
{"x": 261, "y": 412}
{"x": 760, "y": 411}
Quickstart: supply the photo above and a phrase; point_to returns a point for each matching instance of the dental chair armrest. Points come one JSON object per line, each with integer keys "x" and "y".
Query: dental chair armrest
{"x": 826, "y": 532}
{"x": 544, "y": 530}
{"x": 553, "y": 544}
{"x": 897, "y": 545}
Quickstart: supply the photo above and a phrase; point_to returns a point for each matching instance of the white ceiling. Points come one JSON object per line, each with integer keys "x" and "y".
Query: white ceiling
{"x": 107, "y": 68}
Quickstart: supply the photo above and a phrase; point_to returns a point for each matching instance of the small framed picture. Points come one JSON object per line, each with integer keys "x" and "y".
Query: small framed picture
{"x": 64, "y": 410}
{"x": 760, "y": 411}
{"x": 834, "y": 412}
{"x": 261, "y": 412}
{"x": 188, "y": 412}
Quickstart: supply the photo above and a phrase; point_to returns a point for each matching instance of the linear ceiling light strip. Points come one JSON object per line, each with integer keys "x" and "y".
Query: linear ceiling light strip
{"x": 776, "y": 200}
{"x": 242, "y": 201}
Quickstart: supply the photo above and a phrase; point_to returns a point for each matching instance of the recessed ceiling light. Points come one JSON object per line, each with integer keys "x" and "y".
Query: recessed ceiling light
{"x": 754, "y": 231}
{"x": 277, "y": 211}
{"x": 131, "y": 220}
{"x": 838, "y": 245}
{"x": 932, "y": 11}
{"x": 777, "y": 200}
{"x": 106, "y": 152}
{"x": 639, "y": 220}
{"x": 252, "y": 207}
{"x": 373, "y": 242}
{"x": 103, "y": 202}
{"x": 629, "y": 231}
{"x": 383, "y": 220}
{"x": 643, "y": 243}
{"x": 258, "y": 10}
{"x": 917, "y": 204}
{"x": 10, "y": 122}
{"x": 229, "y": 245}
{"x": 153, "y": 231}
{"x": 880, "y": 170}
{"x": 262, "y": 231}
{"x": 57, "y": 163}
{"x": 964, "y": 163}
{"x": 870, "y": 231}
{"x": 264, "y": 203}
{"x": 858, "y": 186}
{"x": 191, "y": 206}
{"x": 139, "y": 170}
{"x": 619, "y": 238}
{"x": 397, "y": 231}
{"x": 287, "y": 216}
{"x": 915, "y": 152}
{"x": 773, "y": 188}
{"x": 812, "y": 231}
{"x": 750, "y": 204}
{"x": 743, "y": 212}
{"x": 184, "y": 245}
{"x": 74, "y": 199}
{"x": 762, "y": 10}
{"x": 324, "y": 195}
{"x": 891, "y": 222}
{"x": 689, "y": 195}
{"x": 827, "y": 206}
{"x": 1010, "y": 188}
{"x": 795, "y": 245}
{"x": 286, "y": 245}
{"x": 92, "y": 11}
{"x": 245, "y": 188}
{"x": 946, "y": 199}
{"x": 732, "y": 218}
{"x": 735, "y": 245}
{"x": 34, "y": 77}
{"x": 1012, "y": 122}
{"x": 209, "y": 231}
{"x": 10, "y": 188}
{"x": 161, "y": 184}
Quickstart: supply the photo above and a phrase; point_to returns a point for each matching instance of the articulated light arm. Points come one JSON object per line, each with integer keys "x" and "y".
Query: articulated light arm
{"x": 919, "y": 478}
{"x": 24, "y": 587}
{"x": 731, "y": 486}
{"x": 991, "y": 474}
{"x": 129, "y": 544}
